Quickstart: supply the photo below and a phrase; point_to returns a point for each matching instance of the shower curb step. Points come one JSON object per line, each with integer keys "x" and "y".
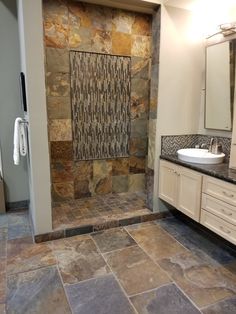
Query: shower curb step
{"x": 70, "y": 232}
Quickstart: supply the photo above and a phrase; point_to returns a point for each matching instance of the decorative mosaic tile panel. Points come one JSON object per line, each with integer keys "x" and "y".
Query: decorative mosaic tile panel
{"x": 100, "y": 100}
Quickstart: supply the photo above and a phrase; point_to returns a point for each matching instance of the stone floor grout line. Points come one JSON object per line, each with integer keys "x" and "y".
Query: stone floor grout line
{"x": 67, "y": 299}
{"x": 171, "y": 279}
{"x": 225, "y": 299}
{"x": 150, "y": 290}
{"x": 191, "y": 301}
{"x": 126, "y": 295}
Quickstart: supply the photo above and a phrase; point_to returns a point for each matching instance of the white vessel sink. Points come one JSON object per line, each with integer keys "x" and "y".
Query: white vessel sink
{"x": 200, "y": 156}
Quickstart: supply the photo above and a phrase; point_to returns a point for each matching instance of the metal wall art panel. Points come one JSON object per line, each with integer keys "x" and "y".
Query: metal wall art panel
{"x": 100, "y": 100}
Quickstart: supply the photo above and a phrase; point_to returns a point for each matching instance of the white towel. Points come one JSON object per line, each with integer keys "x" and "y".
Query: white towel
{"x": 20, "y": 141}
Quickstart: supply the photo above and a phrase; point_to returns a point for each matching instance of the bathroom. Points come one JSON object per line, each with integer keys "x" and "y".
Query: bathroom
{"x": 101, "y": 204}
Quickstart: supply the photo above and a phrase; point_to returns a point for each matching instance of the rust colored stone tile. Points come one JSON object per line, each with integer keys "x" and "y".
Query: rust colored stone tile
{"x": 80, "y": 10}
{"x": 83, "y": 170}
{"x": 60, "y": 130}
{"x": 79, "y": 37}
{"x": 140, "y": 68}
{"x": 79, "y": 259}
{"x": 101, "y": 41}
{"x": 62, "y": 171}
{"x": 120, "y": 166}
{"x": 23, "y": 255}
{"x": 82, "y": 188}
{"x": 137, "y": 164}
{"x": 121, "y": 43}
{"x": 203, "y": 283}
{"x": 135, "y": 270}
{"x": 156, "y": 242}
{"x": 62, "y": 191}
{"x": 102, "y": 168}
{"x": 55, "y": 15}
{"x": 103, "y": 185}
{"x": 59, "y": 107}
{"x": 61, "y": 150}
{"x": 142, "y": 24}
{"x": 141, "y": 46}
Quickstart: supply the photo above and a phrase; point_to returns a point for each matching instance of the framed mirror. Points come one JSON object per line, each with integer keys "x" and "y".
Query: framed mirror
{"x": 220, "y": 85}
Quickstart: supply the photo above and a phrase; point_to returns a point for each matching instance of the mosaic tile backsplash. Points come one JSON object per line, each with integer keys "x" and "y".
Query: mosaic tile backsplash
{"x": 171, "y": 143}
{"x": 100, "y": 101}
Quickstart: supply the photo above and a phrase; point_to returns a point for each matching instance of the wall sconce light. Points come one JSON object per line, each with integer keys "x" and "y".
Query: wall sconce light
{"x": 226, "y": 29}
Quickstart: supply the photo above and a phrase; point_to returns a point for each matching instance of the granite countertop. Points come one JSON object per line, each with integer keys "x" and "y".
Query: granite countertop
{"x": 220, "y": 171}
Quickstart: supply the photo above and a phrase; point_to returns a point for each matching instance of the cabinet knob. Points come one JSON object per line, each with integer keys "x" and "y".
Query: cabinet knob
{"x": 227, "y": 194}
{"x": 226, "y": 212}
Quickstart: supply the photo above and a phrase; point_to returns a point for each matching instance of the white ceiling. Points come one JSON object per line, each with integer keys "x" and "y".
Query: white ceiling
{"x": 183, "y": 4}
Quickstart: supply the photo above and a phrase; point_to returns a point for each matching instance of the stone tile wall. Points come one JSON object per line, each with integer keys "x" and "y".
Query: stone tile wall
{"x": 84, "y": 27}
{"x": 153, "y": 106}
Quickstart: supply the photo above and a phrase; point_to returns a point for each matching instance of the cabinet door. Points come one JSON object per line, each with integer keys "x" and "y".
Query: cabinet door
{"x": 189, "y": 192}
{"x": 168, "y": 182}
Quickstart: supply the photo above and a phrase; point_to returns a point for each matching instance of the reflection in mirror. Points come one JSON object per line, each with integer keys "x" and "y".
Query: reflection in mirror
{"x": 220, "y": 82}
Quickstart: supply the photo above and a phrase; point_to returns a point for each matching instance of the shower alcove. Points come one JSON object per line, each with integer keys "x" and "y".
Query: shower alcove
{"x": 101, "y": 68}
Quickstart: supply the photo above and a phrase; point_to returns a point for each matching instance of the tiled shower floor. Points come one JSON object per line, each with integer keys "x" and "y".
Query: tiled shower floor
{"x": 100, "y": 211}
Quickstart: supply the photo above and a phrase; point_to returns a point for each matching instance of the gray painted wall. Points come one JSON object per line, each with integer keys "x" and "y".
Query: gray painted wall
{"x": 15, "y": 177}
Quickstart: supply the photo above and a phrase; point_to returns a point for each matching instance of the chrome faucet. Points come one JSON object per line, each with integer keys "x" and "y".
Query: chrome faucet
{"x": 211, "y": 144}
{"x": 214, "y": 147}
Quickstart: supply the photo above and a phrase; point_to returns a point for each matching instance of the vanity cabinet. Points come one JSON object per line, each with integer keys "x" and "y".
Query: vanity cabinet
{"x": 218, "y": 211}
{"x": 181, "y": 188}
{"x": 207, "y": 200}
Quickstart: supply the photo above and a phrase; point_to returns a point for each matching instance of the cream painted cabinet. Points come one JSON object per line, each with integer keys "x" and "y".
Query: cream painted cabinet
{"x": 168, "y": 182}
{"x": 189, "y": 193}
{"x": 181, "y": 187}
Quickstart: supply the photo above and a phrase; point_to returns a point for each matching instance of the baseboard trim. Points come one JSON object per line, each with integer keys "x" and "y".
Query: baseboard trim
{"x": 17, "y": 205}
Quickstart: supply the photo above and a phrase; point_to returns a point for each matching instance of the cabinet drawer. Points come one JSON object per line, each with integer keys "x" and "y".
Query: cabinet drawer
{"x": 219, "y": 208}
{"x": 222, "y": 190}
{"x": 219, "y": 226}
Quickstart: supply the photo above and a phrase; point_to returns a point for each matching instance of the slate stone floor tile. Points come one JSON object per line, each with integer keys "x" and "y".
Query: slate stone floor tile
{"x": 2, "y": 309}
{"x": 112, "y": 239}
{"x": 24, "y": 255}
{"x": 3, "y": 221}
{"x": 202, "y": 282}
{"x": 39, "y": 291}
{"x": 101, "y": 296}
{"x": 79, "y": 259}
{"x": 223, "y": 307}
{"x": 18, "y": 225}
{"x": 3, "y": 242}
{"x": 198, "y": 241}
{"x": 3, "y": 283}
{"x": 156, "y": 242}
{"x": 164, "y": 300}
{"x": 98, "y": 210}
{"x": 135, "y": 270}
